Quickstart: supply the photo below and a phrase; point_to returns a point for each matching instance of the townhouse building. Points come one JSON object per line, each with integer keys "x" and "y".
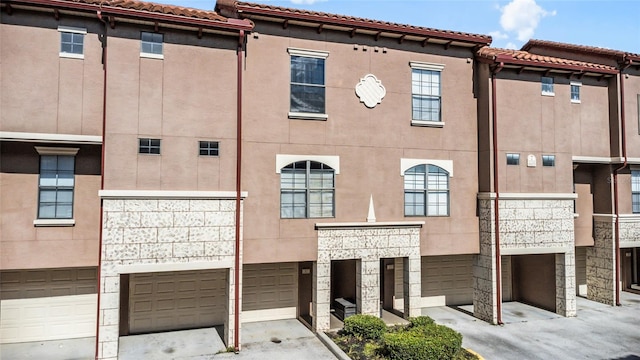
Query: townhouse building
{"x": 165, "y": 168}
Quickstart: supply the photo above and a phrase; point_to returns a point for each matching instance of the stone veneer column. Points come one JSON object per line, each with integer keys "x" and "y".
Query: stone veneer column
{"x": 566, "y": 283}
{"x": 412, "y": 286}
{"x": 164, "y": 234}
{"x": 484, "y": 270}
{"x": 321, "y": 288}
{"x": 601, "y": 262}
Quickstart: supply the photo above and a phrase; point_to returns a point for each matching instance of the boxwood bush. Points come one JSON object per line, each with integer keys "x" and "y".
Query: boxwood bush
{"x": 364, "y": 326}
{"x": 421, "y": 321}
{"x": 423, "y": 342}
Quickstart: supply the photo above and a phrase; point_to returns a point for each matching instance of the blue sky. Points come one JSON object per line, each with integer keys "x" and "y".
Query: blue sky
{"x": 613, "y": 24}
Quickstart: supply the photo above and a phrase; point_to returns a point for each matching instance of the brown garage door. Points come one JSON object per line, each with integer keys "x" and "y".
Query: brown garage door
{"x": 448, "y": 276}
{"x": 177, "y": 300}
{"x": 268, "y": 286}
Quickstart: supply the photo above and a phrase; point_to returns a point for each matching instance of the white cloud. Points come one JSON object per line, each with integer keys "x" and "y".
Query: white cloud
{"x": 522, "y": 17}
{"x": 498, "y": 35}
{"x": 306, "y": 1}
{"x": 511, "y": 45}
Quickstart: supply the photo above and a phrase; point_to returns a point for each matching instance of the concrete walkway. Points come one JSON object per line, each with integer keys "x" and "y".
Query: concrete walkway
{"x": 598, "y": 332}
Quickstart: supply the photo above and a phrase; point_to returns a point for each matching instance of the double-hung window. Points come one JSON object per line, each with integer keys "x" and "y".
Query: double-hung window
{"x": 575, "y": 92}
{"x": 635, "y": 191}
{"x": 426, "y": 191}
{"x": 307, "y": 190}
{"x": 547, "y": 86}
{"x": 308, "y": 92}
{"x": 72, "y": 42}
{"x": 151, "y": 45}
{"x": 56, "y": 182}
{"x": 426, "y": 93}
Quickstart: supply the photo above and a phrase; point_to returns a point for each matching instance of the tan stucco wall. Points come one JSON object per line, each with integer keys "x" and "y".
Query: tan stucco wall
{"x": 369, "y": 142}
{"x": 42, "y": 92}
{"x": 632, "y": 111}
{"x": 24, "y": 246}
{"x": 187, "y": 97}
{"x": 533, "y": 124}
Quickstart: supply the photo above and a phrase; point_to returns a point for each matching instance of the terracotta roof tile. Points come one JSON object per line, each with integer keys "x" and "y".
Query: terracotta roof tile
{"x": 571, "y": 47}
{"x": 526, "y": 58}
{"x": 156, "y": 8}
{"x": 345, "y": 20}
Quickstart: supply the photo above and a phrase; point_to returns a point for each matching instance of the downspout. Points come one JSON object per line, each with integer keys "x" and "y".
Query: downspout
{"x": 103, "y": 40}
{"x": 496, "y": 188}
{"x": 236, "y": 329}
{"x": 615, "y": 184}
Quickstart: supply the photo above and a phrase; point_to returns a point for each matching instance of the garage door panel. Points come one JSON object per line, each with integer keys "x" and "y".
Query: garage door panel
{"x": 269, "y": 286}
{"x": 450, "y": 277}
{"x": 177, "y": 300}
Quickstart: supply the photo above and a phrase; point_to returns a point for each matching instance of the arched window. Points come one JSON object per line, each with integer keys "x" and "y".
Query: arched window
{"x": 426, "y": 191}
{"x": 307, "y": 190}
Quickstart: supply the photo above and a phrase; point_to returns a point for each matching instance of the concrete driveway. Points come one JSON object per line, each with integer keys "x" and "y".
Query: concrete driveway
{"x": 598, "y": 332}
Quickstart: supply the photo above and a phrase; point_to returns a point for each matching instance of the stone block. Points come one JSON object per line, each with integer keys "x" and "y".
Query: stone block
{"x": 204, "y": 234}
{"x": 204, "y": 205}
{"x": 188, "y": 250}
{"x": 112, "y": 236}
{"x": 188, "y": 219}
{"x": 140, "y": 205}
{"x": 175, "y": 234}
{"x": 112, "y": 205}
{"x": 173, "y": 205}
{"x": 122, "y": 251}
{"x": 140, "y": 235}
{"x": 156, "y": 251}
{"x": 156, "y": 219}
{"x": 227, "y": 205}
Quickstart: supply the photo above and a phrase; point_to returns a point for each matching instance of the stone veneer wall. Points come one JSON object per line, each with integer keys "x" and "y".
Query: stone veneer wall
{"x": 527, "y": 226}
{"x": 161, "y": 234}
{"x": 367, "y": 244}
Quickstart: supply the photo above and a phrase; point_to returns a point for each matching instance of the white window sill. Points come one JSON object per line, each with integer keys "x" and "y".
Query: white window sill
{"x": 71, "y": 55}
{"x": 575, "y": 101}
{"x": 308, "y": 116}
{"x": 424, "y": 123}
{"x": 152, "y": 56}
{"x": 54, "y": 222}
{"x": 548, "y": 94}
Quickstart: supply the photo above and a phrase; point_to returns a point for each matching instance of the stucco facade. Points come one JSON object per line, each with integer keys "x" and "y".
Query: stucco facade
{"x": 181, "y": 156}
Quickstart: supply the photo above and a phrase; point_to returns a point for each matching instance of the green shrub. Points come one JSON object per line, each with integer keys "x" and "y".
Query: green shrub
{"x": 421, "y": 321}
{"x": 364, "y": 326}
{"x": 430, "y": 342}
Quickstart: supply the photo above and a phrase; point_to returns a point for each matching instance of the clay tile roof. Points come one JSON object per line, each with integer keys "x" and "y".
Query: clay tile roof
{"x": 156, "y": 8}
{"x": 356, "y": 22}
{"x": 571, "y": 47}
{"x": 520, "y": 57}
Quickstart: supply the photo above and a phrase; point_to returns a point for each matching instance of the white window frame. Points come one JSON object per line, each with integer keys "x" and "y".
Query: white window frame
{"x": 515, "y": 156}
{"x": 148, "y": 55}
{"x": 72, "y": 30}
{"x": 635, "y": 177}
{"x": 418, "y": 65}
{"x": 579, "y": 86}
{"x": 55, "y": 151}
{"x": 316, "y": 54}
{"x": 546, "y": 158}
{"x": 542, "y": 84}
{"x": 308, "y": 190}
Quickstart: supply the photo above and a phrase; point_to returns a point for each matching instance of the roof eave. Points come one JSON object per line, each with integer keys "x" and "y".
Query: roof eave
{"x": 509, "y": 60}
{"x": 231, "y": 24}
{"x": 471, "y": 39}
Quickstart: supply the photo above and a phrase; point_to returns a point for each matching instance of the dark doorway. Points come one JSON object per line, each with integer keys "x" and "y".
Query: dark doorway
{"x": 305, "y": 289}
{"x": 534, "y": 280}
{"x": 387, "y": 283}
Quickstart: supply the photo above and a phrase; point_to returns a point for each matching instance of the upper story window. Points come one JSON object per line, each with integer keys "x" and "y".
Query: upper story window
{"x": 307, "y": 190}
{"x": 575, "y": 92}
{"x": 308, "y": 93}
{"x": 513, "y": 159}
{"x": 151, "y": 45}
{"x": 209, "y": 148}
{"x": 72, "y": 42}
{"x": 548, "y": 160}
{"x": 635, "y": 191}
{"x": 426, "y": 94}
{"x": 426, "y": 191}
{"x": 547, "y": 86}
{"x": 149, "y": 146}
{"x": 56, "y": 182}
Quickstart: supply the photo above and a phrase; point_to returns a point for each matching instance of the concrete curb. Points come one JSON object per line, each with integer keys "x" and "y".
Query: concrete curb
{"x": 333, "y": 347}
{"x": 476, "y": 354}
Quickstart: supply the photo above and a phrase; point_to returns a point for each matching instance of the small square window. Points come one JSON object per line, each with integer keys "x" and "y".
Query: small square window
{"x": 548, "y": 160}
{"x": 149, "y": 146}
{"x": 575, "y": 92}
{"x": 72, "y": 42}
{"x": 209, "y": 148}
{"x": 513, "y": 159}
{"x": 151, "y": 44}
{"x": 547, "y": 86}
